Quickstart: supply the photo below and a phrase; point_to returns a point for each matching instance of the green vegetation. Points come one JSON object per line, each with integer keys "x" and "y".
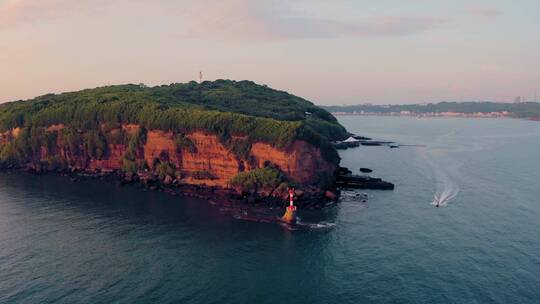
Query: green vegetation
{"x": 260, "y": 178}
{"x": 239, "y": 147}
{"x": 223, "y": 107}
{"x": 183, "y": 143}
{"x": 71, "y": 141}
{"x": 131, "y": 167}
{"x": 518, "y": 110}
{"x": 116, "y": 136}
{"x": 55, "y": 163}
{"x": 28, "y": 144}
{"x": 134, "y": 143}
{"x": 95, "y": 144}
{"x": 165, "y": 168}
{"x": 10, "y": 155}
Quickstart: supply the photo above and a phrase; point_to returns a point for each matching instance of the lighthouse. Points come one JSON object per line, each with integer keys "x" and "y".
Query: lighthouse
{"x": 290, "y": 213}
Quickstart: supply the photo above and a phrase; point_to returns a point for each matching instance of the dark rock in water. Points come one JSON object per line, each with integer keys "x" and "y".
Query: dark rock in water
{"x": 375, "y": 143}
{"x": 362, "y": 182}
{"x": 345, "y": 179}
{"x": 340, "y": 146}
{"x": 343, "y": 145}
{"x": 371, "y": 143}
{"x": 361, "y": 137}
{"x": 343, "y": 171}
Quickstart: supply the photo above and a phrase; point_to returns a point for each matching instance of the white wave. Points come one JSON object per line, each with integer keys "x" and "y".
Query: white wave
{"x": 319, "y": 225}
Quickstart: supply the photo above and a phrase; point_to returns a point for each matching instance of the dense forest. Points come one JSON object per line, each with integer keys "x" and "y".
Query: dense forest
{"x": 222, "y": 107}
{"x": 518, "y": 110}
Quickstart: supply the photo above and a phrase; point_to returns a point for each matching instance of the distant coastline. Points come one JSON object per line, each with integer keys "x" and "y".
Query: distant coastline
{"x": 420, "y": 115}
{"x": 524, "y": 110}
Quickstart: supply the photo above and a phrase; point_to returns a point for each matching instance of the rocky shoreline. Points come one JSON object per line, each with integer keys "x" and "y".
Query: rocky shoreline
{"x": 309, "y": 197}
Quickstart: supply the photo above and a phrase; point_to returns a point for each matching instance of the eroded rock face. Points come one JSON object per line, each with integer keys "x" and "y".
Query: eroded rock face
{"x": 301, "y": 162}
{"x": 210, "y": 156}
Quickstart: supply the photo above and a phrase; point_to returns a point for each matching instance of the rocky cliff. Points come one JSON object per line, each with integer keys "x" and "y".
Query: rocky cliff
{"x": 207, "y": 161}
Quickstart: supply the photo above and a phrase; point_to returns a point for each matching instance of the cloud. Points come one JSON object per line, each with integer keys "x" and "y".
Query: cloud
{"x": 484, "y": 12}
{"x": 16, "y": 13}
{"x": 380, "y": 26}
{"x": 271, "y": 20}
{"x": 236, "y": 20}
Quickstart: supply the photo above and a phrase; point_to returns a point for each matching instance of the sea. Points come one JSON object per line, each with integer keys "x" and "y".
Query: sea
{"x": 97, "y": 242}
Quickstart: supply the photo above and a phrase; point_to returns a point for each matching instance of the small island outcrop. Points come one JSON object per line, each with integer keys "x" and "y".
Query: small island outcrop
{"x": 215, "y": 136}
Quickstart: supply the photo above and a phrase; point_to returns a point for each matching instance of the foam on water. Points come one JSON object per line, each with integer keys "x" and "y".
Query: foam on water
{"x": 318, "y": 225}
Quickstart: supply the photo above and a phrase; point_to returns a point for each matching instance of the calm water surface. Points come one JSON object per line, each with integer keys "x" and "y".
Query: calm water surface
{"x": 91, "y": 242}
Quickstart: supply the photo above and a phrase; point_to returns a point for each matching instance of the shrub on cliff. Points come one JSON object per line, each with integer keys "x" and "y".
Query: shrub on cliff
{"x": 164, "y": 169}
{"x": 55, "y": 163}
{"x": 183, "y": 143}
{"x": 129, "y": 166}
{"x": 9, "y": 155}
{"x": 261, "y": 178}
{"x": 240, "y": 147}
{"x": 95, "y": 144}
{"x": 116, "y": 136}
{"x": 25, "y": 146}
{"x": 71, "y": 140}
{"x": 135, "y": 142}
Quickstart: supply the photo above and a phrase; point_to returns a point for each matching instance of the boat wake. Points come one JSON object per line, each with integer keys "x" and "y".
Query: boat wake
{"x": 441, "y": 198}
{"x": 444, "y": 168}
{"x": 446, "y": 189}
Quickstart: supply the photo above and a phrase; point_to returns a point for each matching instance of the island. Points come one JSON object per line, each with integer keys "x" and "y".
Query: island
{"x": 218, "y": 139}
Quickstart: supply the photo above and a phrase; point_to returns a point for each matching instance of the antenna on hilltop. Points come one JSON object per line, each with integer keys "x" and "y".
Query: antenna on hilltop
{"x": 200, "y": 87}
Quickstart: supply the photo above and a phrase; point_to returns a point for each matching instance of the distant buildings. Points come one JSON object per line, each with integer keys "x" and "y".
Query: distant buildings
{"x": 430, "y": 114}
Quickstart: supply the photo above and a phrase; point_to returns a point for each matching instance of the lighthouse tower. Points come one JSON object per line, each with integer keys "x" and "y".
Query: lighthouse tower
{"x": 290, "y": 214}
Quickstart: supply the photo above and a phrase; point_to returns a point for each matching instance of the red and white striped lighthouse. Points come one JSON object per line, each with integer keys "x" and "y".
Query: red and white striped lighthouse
{"x": 290, "y": 212}
{"x": 291, "y": 198}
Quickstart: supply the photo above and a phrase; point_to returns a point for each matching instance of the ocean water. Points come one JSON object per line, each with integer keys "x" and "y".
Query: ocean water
{"x": 92, "y": 242}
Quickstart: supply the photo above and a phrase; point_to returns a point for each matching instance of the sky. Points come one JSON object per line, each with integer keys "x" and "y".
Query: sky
{"x": 331, "y": 52}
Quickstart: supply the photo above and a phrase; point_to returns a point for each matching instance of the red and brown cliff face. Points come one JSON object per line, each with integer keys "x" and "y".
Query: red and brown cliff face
{"x": 301, "y": 162}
